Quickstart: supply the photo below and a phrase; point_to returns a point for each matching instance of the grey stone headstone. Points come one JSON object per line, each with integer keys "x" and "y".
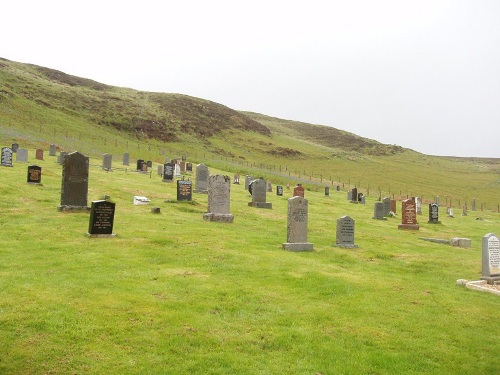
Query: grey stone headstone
{"x": 345, "y": 232}
{"x": 15, "y": 147}
{"x": 236, "y": 179}
{"x": 177, "y": 171}
{"x": 61, "y": 157}
{"x": 269, "y": 186}
{"x": 106, "y": 161}
{"x": 75, "y": 179}
{"x": 473, "y": 204}
{"x": 126, "y": 159}
{"x": 418, "y": 205}
{"x": 52, "y": 150}
{"x": 219, "y": 187}
{"x": 6, "y": 157}
{"x": 379, "y": 211}
{"x": 201, "y": 179}
{"x": 248, "y": 179}
{"x": 259, "y": 191}
{"x": 386, "y": 201}
{"x": 296, "y": 235}
{"x": 464, "y": 210}
{"x": 22, "y": 155}
{"x": 160, "y": 170}
{"x": 490, "y": 258}
{"x": 349, "y": 195}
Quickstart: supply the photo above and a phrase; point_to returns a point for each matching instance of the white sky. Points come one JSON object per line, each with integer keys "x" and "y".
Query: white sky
{"x": 420, "y": 74}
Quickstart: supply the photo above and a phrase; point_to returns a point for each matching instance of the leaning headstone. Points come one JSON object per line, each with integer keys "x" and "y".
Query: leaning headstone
{"x": 298, "y": 191}
{"x": 102, "y": 217}
{"x": 386, "y": 201}
{"x": 52, "y": 150}
{"x": 22, "y": 155}
{"x": 434, "y": 214}
{"x": 279, "y": 190}
{"x": 6, "y": 157}
{"x": 106, "y": 161}
{"x": 259, "y": 190}
{"x": 379, "y": 211}
{"x": 491, "y": 259}
{"x": 296, "y": 236}
{"x": 184, "y": 190}
{"x": 15, "y": 147}
{"x": 168, "y": 172}
{"x": 75, "y": 181}
{"x": 219, "y": 187}
{"x": 34, "y": 174}
{"x": 201, "y": 181}
{"x": 39, "y": 154}
{"x": 126, "y": 158}
{"x": 345, "y": 232}
{"x": 408, "y": 215}
{"x": 248, "y": 179}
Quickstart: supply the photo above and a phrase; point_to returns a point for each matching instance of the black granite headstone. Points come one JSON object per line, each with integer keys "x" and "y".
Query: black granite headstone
{"x": 34, "y": 174}
{"x": 189, "y": 167}
{"x": 168, "y": 172}
{"x": 102, "y": 217}
{"x": 433, "y": 213}
{"x": 140, "y": 162}
{"x": 75, "y": 181}
{"x": 184, "y": 190}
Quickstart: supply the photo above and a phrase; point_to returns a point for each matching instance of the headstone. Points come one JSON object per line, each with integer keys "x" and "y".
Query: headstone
{"x": 387, "y": 205}
{"x": 345, "y": 232}
{"x": 177, "y": 171}
{"x": 75, "y": 181}
{"x": 184, "y": 157}
{"x": 219, "y": 187}
{"x": 189, "y": 167}
{"x": 201, "y": 181}
{"x": 22, "y": 155}
{"x": 236, "y": 179}
{"x": 298, "y": 191}
{"x": 296, "y": 236}
{"x": 354, "y": 195}
{"x": 418, "y": 205}
{"x": 126, "y": 158}
{"x": 140, "y": 163}
{"x": 248, "y": 179}
{"x": 182, "y": 166}
{"x": 174, "y": 161}
{"x": 52, "y": 150}
{"x": 491, "y": 259}
{"x": 360, "y": 197}
{"x": 184, "y": 190}
{"x": 167, "y": 160}
{"x": 106, "y": 161}
{"x": 338, "y": 187}
{"x": 168, "y": 172}
{"x": 327, "y": 191}
{"x": 144, "y": 166}
{"x": 464, "y": 210}
{"x": 434, "y": 214}
{"x": 363, "y": 200}
{"x": 259, "y": 190}
{"x": 393, "y": 206}
{"x": 155, "y": 210}
{"x": 140, "y": 200}
{"x": 408, "y": 215}
{"x": 39, "y": 154}
{"x": 34, "y": 174}
{"x": 6, "y": 157}
{"x": 438, "y": 200}
{"x": 450, "y": 212}
{"x": 473, "y": 204}
{"x": 279, "y": 190}
{"x": 160, "y": 170}
{"x": 379, "y": 211}
{"x": 287, "y": 186}
{"x": 102, "y": 217}
{"x": 149, "y": 164}
{"x": 269, "y": 186}
{"x": 15, "y": 147}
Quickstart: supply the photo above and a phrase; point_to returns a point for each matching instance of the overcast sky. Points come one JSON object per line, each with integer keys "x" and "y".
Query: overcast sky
{"x": 420, "y": 74}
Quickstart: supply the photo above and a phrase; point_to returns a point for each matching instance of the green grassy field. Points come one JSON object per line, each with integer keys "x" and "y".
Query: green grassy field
{"x": 174, "y": 294}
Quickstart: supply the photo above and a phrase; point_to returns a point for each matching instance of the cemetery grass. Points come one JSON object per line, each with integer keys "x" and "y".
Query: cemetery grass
{"x": 172, "y": 293}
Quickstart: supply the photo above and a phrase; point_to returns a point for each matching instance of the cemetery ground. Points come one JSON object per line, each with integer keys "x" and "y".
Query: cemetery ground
{"x": 172, "y": 293}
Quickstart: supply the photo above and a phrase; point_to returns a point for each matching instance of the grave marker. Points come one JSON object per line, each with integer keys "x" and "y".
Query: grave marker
{"x": 106, "y": 161}
{"x": 298, "y": 191}
{"x": 201, "y": 181}
{"x": 75, "y": 179}
{"x": 279, "y": 190}
{"x": 189, "y": 167}
{"x": 259, "y": 190}
{"x": 22, "y": 155}
{"x": 327, "y": 191}
{"x": 434, "y": 214}
{"x": 102, "y": 217}
{"x": 379, "y": 211}
{"x": 6, "y": 157}
{"x": 297, "y": 225}
{"x": 387, "y": 205}
{"x": 219, "y": 187}
{"x": 126, "y": 158}
{"x": 34, "y": 174}
{"x": 345, "y": 233}
{"x": 140, "y": 163}
{"x": 52, "y": 150}
{"x": 248, "y": 179}
{"x": 490, "y": 258}
{"x": 15, "y": 147}
{"x": 39, "y": 154}
{"x": 408, "y": 215}
{"x": 184, "y": 190}
{"x": 236, "y": 179}
{"x": 168, "y": 172}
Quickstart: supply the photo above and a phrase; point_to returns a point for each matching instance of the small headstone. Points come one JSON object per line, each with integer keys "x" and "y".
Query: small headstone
{"x": 140, "y": 163}
{"x": 61, "y": 157}
{"x": 327, "y": 191}
{"x": 140, "y": 200}
{"x": 464, "y": 210}
{"x": 473, "y": 204}
{"x": 461, "y": 242}
{"x": 418, "y": 205}
{"x": 259, "y": 190}
{"x": 219, "y": 187}
{"x": 354, "y": 195}
{"x": 287, "y": 186}
{"x": 490, "y": 259}
{"x": 379, "y": 211}
{"x": 279, "y": 190}
{"x": 189, "y": 167}
{"x": 75, "y": 181}
{"x": 149, "y": 164}
{"x": 182, "y": 166}
{"x": 34, "y": 174}
{"x": 269, "y": 186}
{"x": 39, "y": 154}
{"x": 15, "y": 147}
{"x": 434, "y": 214}
{"x": 363, "y": 200}
{"x": 408, "y": 215}
{"x": 106, "y": 161}
{"x": 236, "y": 179}
{"x": 360, "y": 197}
{"x": 6, "y": 157}
{"x": 22, "y": 155}
{"x": 338, "y": 187}
{"x": 438, "y": 200}
{"x": 450, "y": 212}
{"x": 349, "y": 195}
{"x": 248, "y": 179}
{"x": 345, "y": 233}
{"x": 160, "y": 170}
{"x": 177, "y": 171}
{"x": 167, "y": 160}
{"x": 298, "y": 191}
{"x": 126, "y": 158}
{"x": 168, "y": 172}
{"x": 297, "y": 225}
{"x": 201, "y": 181}
{"x": 184, "y": 190}
{"x": 393, "y": 206}
{"x": 387, "y": 205}
{"x": 144, "y": 167}
{"x": 52, "y": 150}
{"x": 102, "y": 217}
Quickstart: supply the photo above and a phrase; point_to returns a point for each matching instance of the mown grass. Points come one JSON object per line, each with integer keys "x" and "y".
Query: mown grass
{"x": 172, "y": 293}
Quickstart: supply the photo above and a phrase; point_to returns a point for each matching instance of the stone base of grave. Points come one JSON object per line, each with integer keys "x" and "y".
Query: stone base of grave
{"x": 6, "y": 165}
{"x": 261, "y": 205}
{"x": 220, "y": 218}
{"x": 483, "y": 286}
{"x": 433, "y": 222}
{"x": 302, "y": 246}
{"x": 73, "y": 208}
{"x": 379, "y": 218}
{"x": 491, "y": 280}
{"x": 101, "y": 235}
{"x": 346, "y": 245}
{"x": 460, "y": 242}
{"x": 409, "y": 226}
{"x": 199, "y": 191}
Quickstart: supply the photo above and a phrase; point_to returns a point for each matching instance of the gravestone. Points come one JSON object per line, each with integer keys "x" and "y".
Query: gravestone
{"x": 219, "y": 187}
{"x": 126, "y": 158}
{"x": 168, "y": 172}
{"x": 327, "y": 191}
{"x": 387, "y": 205}
{"x": 464, "y": 210}
{"x": 349, "y": 195}
{"x": 408, "y": 215}
{"x": 160, "y": 170}
{"x": 360, "y": 197}
{"x": 106, "y": 161}
{"x": 338, "y": 187}
{"x": 174, "y": 161}
{"x": 298, "y": 191}
{"x": 236, "y": 179}
{"x": 269, "y": 186}
{"x": 491, "y": 259}
{"x": 184, "y": 190}
{"x": 345, "y": 233}
{"x": 183, "y": 157}
{"x": 259, "y": 190}
{"x": 189, "y": 167}
{"x": 279, "y": 190}
{"x": 418, "y": 205}
{"x": 434, "y": 214}
{"x": 450, "y": 212}
{"x": 102, "y": 217}
{"x": 393, "y": 206}
{"x": 149, "y": 163}
{"x": 201, "y": 181}
{"x": 52, "y": 150}
{"x": 167, "y": 160}
{"x": 61, "y": 157}
{"x": 379, "y": 211}
{"x": 140, "y": 163}
{"x": 182, "y": 166}
{"x": 354, "y": 195}
{"x": 6, "y": 157}
{"x": 177, "y": 171}
{"x": 22, "y": 155}
{"x": 140, "y": 200}
{"x": 34, "y": 174}
{"x": 15, "y": 147}
{"x": 296, "y": 236}
{"x": 438, "y": 200}
{"x": 75, "y": 180}
{"x": 39, "y": 154}
{"x": 287, "y": 186}
{"x": 248, "y": 179}
{"x": 473, "y": 204}
{"x": 144, "y": 167}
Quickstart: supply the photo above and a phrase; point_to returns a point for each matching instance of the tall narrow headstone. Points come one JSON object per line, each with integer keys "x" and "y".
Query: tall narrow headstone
{"x": 490, "y": 258}
{"x": 379, "y": 211}
{"x": 393, "y": 206}
{"x": 126, "y": 158}
{"x": 39, "y": 154}
{"x": 182, "y": 166}
{"x": 269, "y": 186}
{"x": 408, "y": 215}
{"x": 52, "y": 150}
{"x": 386, "y": 201}
{"x": 279, "y": 190}
{"x": 102, "y": 217}
{"x": 345, "y": 232}
{"x": 296, "y": 236}
{"x": 349, "y": 195}
{"x": 6, "y": 157}
{"x": 418, "y": 205}
{"x": 106, "y": 161}
{"x": 464, "y": 210}
{"x": 434, "y": 214}
{"x": 177, "y": 170}
{"x": 22, "y": 155}
{"x": 201, "y": 181}
{"x": 473, "y": 204}
{"x": 259, "y": 190}
{"x": 168, "y": 172}
{"x": 34, "y": 174}
{"x": 160, "y": 170}
{"x": 184, "y": 190}
{"x": 354, "y": 195}
{"x": 298, "y": 191}
{"x": 75, "y": 181}
{"x": 219, "y": 187}
{"x": 248, "y": 179}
